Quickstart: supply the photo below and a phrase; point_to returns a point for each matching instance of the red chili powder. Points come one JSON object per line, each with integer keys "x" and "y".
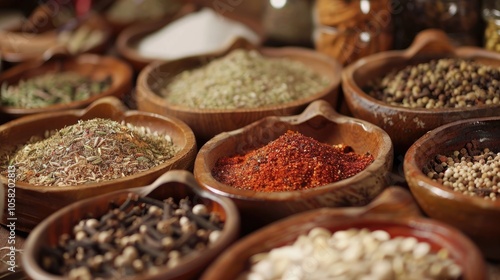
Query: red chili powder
{"x": 291, "y": 162}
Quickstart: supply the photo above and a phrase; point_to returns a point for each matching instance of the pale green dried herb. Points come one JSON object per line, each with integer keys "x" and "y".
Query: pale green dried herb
{"x": 90, "y": 151}
{"x": 244, "y": 79}
{"x": 50, "y": 89}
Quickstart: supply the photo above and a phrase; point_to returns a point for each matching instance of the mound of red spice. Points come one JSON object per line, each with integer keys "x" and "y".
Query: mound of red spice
{"x": 291, "y": 162}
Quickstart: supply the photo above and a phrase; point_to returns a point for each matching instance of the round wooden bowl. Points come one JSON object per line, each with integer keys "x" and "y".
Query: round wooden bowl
{"x": 89, "y": 65}
{"x": 19, "y": 46}
{"x": 34, "y": 203}
{"x": 177, "y": 184}
{"x": 473, "y": 215}
{"x": 207, "y": 123}
{"x": 320, "y": 122}
{"x": 394, "y": 211}
{"x": 129, "y": 38}
{"x": 406, "y": 125}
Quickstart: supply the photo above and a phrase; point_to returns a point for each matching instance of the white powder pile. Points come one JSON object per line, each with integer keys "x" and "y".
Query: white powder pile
{"x": 194, "y": 34}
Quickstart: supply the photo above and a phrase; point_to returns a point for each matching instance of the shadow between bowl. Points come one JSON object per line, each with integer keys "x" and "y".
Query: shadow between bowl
{"x": 406, "y": 125}
{"x": 472, "y": 215}
{"x": 34, "y": 203}
{"x": 177, "y": 184}
{"x": 394, "y": 211}
{"x": 320, "y": 122}
{"x": 206, "y": 123}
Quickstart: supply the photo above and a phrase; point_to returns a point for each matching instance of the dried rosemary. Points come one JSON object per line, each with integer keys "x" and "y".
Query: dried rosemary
{"x": 90, "y": 151}
{"x": 244, "y": 79}
{"x": 51, "y": 89}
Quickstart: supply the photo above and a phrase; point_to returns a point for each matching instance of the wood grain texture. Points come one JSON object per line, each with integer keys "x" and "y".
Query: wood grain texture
{"x": 320, "y": 122}
{"x": 406, "y": 125}
{"x": 89, "y": 65}
{"x": 206, "y": 123}
{"x": 473, "y": 215}
{"x": 34, "y": 203}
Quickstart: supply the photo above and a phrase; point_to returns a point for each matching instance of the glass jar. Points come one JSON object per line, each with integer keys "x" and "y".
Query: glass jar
{"x": 349, "y": 30}
{"x": 491, "y": 15}
{"x": 460, "y": 19}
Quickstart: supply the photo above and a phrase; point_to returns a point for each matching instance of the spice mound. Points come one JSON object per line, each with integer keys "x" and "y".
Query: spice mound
{"x": 50, "y": 89}
{"x": 443, "y": 83}
{"x": 90, "y": 151}
{"x": 291, "y": 162}
{"x": 244, "y": 79}
{"x": 138, "y": 237}
{"x": 353, "y": 254}
{"x": 471, "y": 171}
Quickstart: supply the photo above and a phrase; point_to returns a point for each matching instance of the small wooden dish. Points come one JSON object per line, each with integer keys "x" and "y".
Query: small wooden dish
{"x": 35, "y": 45}
{"x": 394, "y": 211}
{"x": 406, "y": 125}
{"x": 207, "y": 123}
{"x": 129, "y": 38}
{"x": 473, "y": 215}
{"x": 34, "y": 203}
{"x": 176, "y": 184}
{"x": 320, "y": 122}
{"x": 89, "y": 65}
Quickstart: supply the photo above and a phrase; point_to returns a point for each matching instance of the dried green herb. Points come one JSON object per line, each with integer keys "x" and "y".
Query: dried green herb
{"x": 51, "y": 89}
{"x": 244, "y": 79}
{"x": 90, "y": 151}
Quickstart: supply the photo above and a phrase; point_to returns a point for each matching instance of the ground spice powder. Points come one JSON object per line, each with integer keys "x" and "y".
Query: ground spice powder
{"x": 291, "y": 162}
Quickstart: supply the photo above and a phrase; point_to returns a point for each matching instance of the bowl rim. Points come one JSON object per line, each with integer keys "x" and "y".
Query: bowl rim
{"x": 334, "y": 66}
{"x": 384, "y": 150}
{"x": 141, "y": 29}
{"x": 415, "y": 173}
{"x": 120, "y": 111}
{"x": 228, "y": 235}
{"x": 417, "y": 50}
{"x": 117, "y": 85}
{"x": 417, "y": 223}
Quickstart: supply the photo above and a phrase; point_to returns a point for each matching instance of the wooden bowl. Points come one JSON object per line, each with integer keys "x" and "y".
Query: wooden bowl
{"x": 320, "y": 122}
{"x": 394, "y": 211}
{"x": 473, "y": 215}
{"x": 406, "y": 125}
{"x": 20, "y": 46}
{"x": 207, "y": 123}
{"x": 129, "y": 38}
{"x": 177, "y": 184}
{"x": 89, "y": 65}
{"x": 34, "y": 203}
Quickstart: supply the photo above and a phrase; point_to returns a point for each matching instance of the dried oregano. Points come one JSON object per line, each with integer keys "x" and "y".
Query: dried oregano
{"x": 90, "y": 151}
{"x": 244, "y": 79}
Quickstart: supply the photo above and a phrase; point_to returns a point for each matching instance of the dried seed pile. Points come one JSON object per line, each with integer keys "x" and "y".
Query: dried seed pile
{"x": 471, "y": 171}
{"x": 90, "y": 151}
{"x": 443, "y": 83}
{"x": 243, "y": 79}
{"x": 291, "y": 162}
{"x": 51, "y": 89}
{"x": 353, "y": 254}
{"x": 138, "y": 237}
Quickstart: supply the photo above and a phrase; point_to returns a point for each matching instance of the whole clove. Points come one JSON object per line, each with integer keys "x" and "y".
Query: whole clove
{"x": 136, "y": 237}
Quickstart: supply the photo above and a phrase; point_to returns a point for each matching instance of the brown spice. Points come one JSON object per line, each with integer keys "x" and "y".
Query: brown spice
{"x": 291, "y": 162}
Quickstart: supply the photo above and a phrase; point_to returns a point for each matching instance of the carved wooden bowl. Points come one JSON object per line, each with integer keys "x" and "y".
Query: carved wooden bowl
{"x": 177, "y": 184}
{"x": 320, "y": 122}
{"x": 406, "y": 125}
{"x": 17, "y": 46}
{"x": 89, "y": 65}
{"x": 129, "y": 38}
{"x": 34, "y": 203}
{"x": 473, "y": 215}
{"x": 394, "y": 211}
{"x": 207, "y": 123}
